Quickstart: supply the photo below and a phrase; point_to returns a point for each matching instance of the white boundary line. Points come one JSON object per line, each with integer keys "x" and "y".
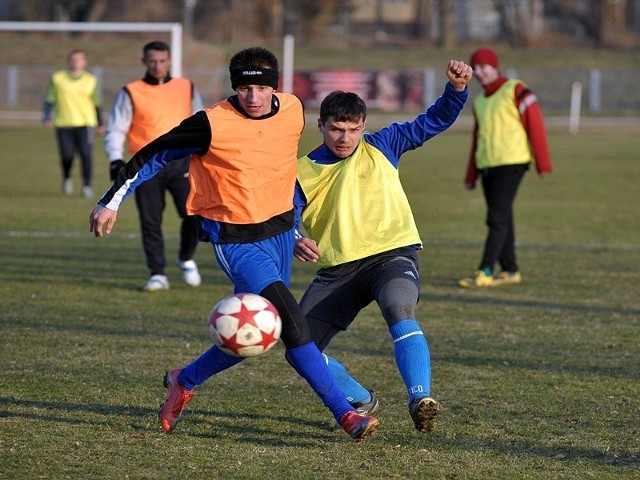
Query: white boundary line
{"x": 18, "y": 234}
{"x": 438, "y": 243}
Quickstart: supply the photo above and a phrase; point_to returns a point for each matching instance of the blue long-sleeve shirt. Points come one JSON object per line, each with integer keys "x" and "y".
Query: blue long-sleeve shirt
{"x": 396, "y": 139}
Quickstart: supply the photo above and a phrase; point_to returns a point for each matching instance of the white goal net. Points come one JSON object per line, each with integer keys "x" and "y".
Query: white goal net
{"x": 32, "y": 51}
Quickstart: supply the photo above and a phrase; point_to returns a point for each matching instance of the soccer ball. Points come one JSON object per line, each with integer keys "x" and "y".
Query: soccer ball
{"x": 245, "y": 324}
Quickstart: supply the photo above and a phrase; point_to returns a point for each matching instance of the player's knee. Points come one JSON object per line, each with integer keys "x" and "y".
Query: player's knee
{"x": 398, "y": 312}
{"x": 398, "y": 300}
{"x": 295, "y": 329}
{"x": 293, "y": 336}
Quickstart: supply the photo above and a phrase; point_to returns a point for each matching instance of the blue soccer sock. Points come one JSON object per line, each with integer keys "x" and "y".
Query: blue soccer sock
{"x": 412, "y": 357}
{"x": 310, "y": 365}
{"x": 352, "y": 390}
{"x": 206, "y": 366}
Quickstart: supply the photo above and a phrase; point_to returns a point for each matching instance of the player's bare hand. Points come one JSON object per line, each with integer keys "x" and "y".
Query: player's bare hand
{"x": 101, "y": 221}
{"x": 306, "y": 250}
{"x": 459, "y": 74}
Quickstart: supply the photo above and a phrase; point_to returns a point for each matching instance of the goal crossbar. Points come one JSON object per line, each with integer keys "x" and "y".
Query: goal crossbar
{"x": 175, "y": 29}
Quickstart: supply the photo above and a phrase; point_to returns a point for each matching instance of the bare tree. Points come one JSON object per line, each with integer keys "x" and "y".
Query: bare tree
{"x": 421, "y": 19}
{"x": 63, "y": 10}
{"x": 269, "y": 18}
{"x": 613, "y": 27}
{"x": 379, "y": 26}
{"x": 189, "y": 11}
{"x": 303, "y": 18}
{"x": 448, "y": 37}
{"x": 522, "y": 20}
{"x": 601, "y": 21}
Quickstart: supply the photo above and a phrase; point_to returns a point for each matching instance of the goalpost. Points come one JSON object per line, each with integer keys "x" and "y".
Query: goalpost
{"x": 175, "y": 29}
{"x": 18, "y": 102}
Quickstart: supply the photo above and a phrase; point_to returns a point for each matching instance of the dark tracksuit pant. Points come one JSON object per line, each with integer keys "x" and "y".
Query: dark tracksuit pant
{"x": 150, "y": 199}
{"x": 72, "y": 140}
{"x": 500, "y": 185}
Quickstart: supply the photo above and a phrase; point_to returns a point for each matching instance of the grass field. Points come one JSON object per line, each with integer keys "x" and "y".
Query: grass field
{"x": 538, "y": 381}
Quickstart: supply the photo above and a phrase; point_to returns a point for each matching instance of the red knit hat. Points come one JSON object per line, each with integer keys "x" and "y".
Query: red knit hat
{"x": 484, "y": 56}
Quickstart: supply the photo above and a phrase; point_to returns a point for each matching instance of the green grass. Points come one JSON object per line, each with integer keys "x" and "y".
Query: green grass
{"x": 537, "y": 381}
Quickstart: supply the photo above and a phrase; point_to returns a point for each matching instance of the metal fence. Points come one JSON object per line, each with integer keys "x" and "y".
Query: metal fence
{"x": 608, "y": 92}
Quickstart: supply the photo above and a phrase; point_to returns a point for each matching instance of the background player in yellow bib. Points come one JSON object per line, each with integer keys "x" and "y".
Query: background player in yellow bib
{"x": 362, "y": 234}
{"x": 508, "y": 134}
{"x": 73, "y": 101}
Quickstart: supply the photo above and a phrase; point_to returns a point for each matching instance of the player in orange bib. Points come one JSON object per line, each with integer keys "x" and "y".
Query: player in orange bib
{"x": 242, "y": 175}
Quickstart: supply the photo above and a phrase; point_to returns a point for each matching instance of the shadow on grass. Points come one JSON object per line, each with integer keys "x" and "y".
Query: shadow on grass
{"x": 506, "y": 363}
{"x": 509, "y": 363}
{"x": 562, "y": 454}
{"x": 62, "y": 269}
{"x": 527, "y": 304}
{"x": 253, "y": 429}
{"x": 247, "y": 427}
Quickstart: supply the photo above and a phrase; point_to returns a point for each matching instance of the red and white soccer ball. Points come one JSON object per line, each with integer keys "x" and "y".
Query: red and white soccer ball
{"x": 245, "y": 324}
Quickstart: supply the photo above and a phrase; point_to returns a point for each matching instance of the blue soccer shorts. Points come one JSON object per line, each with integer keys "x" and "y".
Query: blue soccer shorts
{"x": 253, "y": 266}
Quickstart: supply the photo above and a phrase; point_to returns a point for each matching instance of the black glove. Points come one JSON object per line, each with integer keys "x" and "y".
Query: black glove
{"x": 114, "y": 168}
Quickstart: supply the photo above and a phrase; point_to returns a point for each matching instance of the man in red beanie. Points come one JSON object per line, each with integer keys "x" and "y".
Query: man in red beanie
{"x": 508, "y": 135}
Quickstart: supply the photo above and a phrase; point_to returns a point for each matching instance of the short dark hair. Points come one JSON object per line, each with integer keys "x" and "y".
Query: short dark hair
{"x": 343, "y": 107}
{"x": 75, "y": 51}
{"x": 156, "y": 45}
{"x": 254, "y": 57}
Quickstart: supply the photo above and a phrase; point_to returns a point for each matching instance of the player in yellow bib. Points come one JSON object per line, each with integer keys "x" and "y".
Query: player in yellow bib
{"x": 73, "y": 105}
{"x": 508, "y": 136}
{"x": 360, "y": 231}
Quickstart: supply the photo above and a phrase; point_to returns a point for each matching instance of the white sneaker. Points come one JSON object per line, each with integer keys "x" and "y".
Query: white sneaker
{"x": 190, "y": 273}
{"x": 155, "y": 283}
{"x": 87, "y": 192}
{"x": 67, "y": 186}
